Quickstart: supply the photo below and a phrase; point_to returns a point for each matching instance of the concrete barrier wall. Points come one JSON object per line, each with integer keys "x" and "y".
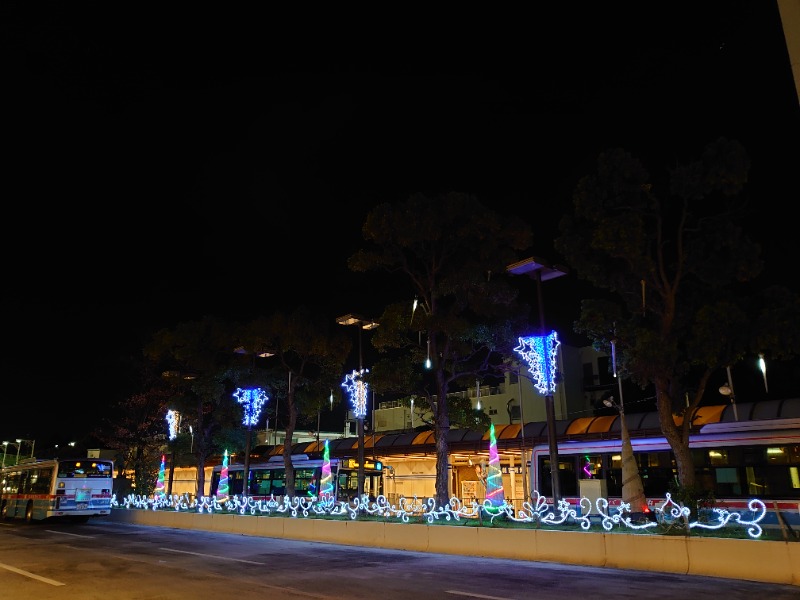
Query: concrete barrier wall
{"x": 754, "y": 560}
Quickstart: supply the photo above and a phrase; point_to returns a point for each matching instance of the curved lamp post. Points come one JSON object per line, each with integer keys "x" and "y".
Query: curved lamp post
{"x": 252, "y": 399}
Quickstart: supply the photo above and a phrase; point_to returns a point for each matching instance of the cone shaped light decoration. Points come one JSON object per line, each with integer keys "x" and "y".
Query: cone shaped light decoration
{"x": 494, "y": 476}
{"x": 326, "y": 484}
{"x": 223, "y": 489}
{"x": 160, "y": 484}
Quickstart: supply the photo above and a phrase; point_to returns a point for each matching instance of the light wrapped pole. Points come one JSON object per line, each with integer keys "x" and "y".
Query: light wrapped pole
{"x": 253, "y": 400}
{"x": 540, "y": 352}
{"x": 357, "y": 389}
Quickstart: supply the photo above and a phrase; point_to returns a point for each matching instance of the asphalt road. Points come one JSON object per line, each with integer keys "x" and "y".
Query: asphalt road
{"x": 102, "y": 560}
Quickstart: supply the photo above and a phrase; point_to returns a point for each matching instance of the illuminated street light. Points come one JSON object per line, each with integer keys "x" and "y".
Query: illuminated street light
{"x": 726, "y": 389}
{"x": 368, "y": 324}
{"x": 541, "y": 271}
{"x": 18, "y": 444}
{"x": 5, "y": 451}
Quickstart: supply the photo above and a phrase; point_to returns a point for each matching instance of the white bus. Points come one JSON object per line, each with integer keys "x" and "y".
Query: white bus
{"x": 75, "y": 489}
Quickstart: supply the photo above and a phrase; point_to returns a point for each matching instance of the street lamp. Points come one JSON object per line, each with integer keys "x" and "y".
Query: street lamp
{"x": 726, "y": 389}
{"x": 19, "y": 441}
{"x": 541, "y": 270}
{"x": 253, "y": 399}
{"x": 359, "y": 390}
{"x": 5, "y": 451}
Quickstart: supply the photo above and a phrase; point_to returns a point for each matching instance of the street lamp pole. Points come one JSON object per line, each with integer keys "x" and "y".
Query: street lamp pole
{"x": 350, "y": 319}
{"x": 522, "y": 436}
{"x": 253, "y": 400}
{"x": 5, "y": 451}
{"x": 541, "y": 270}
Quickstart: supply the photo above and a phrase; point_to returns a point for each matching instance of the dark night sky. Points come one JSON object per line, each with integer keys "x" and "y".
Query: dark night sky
{"x": 161, "y": 169}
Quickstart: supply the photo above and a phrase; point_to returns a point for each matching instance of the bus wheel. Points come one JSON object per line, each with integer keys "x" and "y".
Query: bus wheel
{"x": 4, "y": 511}
{"x": 29, "y": 513}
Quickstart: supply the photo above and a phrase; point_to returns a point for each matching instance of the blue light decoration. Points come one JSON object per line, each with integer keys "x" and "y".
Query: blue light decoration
{"x": 357, "y": 389}
{"x": 222, "y": 489}
{"x": 326, "y": 484}
{"x": 173, "y": 421}
{"x": 160, "y": 490}
{"x": 494, "y": 477}
{"x": 253, "y": 399}
{"x": 540, "y": 352}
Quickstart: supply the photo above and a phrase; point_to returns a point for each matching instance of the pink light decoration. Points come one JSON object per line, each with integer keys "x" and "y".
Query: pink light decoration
{"x": 494, "y": 477}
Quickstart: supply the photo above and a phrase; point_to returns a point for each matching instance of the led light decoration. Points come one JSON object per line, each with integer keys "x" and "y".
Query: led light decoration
{"x": 326, "y": 484}
{"x": 173, "y": 422}
{"x": 222, "y": 489}
{"x": 428, "y": 363}
{"x": 540, "y": 352}
{"x": 357, "y": 389}
{"x": 160, "y": 491}
{"x": 586, "y": 467}
{"x": 253, "y": 400}
{"x": 494, "y": 476}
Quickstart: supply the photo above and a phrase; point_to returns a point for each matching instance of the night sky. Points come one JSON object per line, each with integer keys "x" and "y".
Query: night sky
{"x": 158, "y": 169}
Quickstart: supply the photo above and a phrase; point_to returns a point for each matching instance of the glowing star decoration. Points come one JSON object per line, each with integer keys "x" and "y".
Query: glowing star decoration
{"x": 160, "y": 490}
{"x": 253, "y": 400}
{"x": 326, "y": 484}
{"x": 173, "y": 421}
{"x": 222, "y": 488}
{"x": 494, "y": 476}
{"x": 541, "y": 354}
{"x": 357, "y": 388}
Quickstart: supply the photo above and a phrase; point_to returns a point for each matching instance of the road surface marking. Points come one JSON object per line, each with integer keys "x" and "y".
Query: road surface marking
{"x": 472, "y": 595}
{"x": 91, "y": 537}
{"x": 241, "y": 560}
{"x": 31, "y": 575}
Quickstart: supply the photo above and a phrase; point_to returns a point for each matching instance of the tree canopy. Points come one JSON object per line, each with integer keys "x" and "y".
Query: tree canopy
{"x": 675, "y": 269}
{"x": 452, "y": 250}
